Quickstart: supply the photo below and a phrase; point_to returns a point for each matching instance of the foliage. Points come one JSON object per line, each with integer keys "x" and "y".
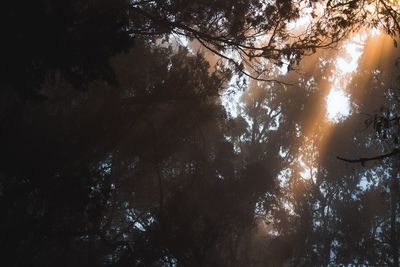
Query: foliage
{"x": 117, "y": 150}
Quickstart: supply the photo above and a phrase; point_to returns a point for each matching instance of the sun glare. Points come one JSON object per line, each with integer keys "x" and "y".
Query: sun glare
{"x": 350, "y": 63}
{"x": 337, "y": 102}
{"x": 338, "y": 105}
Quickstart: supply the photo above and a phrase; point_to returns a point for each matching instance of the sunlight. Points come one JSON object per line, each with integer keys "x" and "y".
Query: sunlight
{"x": 338, "y": 105}
{"x": 395, "y": 4}
{"x": 350, "y": 63}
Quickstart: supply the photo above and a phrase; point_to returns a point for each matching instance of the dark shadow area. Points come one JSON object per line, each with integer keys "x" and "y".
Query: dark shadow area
{"x": 117, "y": 147}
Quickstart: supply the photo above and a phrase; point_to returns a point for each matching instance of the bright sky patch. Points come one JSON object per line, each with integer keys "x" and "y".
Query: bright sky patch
{"x": 338, "y": 105}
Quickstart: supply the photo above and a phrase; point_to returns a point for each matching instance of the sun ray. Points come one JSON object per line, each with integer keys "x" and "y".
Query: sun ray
{"x": 333, "y": 106}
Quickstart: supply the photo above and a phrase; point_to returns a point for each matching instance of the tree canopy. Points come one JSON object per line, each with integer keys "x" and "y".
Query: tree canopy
{"x": 194, "y": 133}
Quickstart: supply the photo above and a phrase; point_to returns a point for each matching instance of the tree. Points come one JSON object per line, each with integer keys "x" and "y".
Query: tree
{"x": 74, "y": 39}
{"x": 148, "y": 186}
{"x": 144, "y": 166}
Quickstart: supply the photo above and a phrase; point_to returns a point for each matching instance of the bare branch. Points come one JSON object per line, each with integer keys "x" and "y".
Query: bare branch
{"x": 363, "y": 160}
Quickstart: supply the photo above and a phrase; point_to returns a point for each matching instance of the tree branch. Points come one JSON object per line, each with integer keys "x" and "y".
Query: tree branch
{"x": 363, "y": 160}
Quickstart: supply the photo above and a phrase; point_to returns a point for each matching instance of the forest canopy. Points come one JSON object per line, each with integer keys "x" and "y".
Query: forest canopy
{"x": 200, "y": 133}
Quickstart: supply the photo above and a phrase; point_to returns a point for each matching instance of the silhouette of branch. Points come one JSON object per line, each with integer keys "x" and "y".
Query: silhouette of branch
{"x": 250, "y": 50}
{"x": 239, "y": 68}
{"x": 390, "y": 11}
{"x": 363, "y": 160}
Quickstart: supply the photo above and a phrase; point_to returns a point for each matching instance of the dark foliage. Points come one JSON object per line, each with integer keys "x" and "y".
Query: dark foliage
{"x": 116, "y": 148}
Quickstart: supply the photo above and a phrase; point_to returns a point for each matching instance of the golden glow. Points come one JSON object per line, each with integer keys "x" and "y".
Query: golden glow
{"x": 395, "y": 4}
{"x": 369, "y": 49}
{"x": 338, "y": 101}
{"x": 338, "y": 105}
